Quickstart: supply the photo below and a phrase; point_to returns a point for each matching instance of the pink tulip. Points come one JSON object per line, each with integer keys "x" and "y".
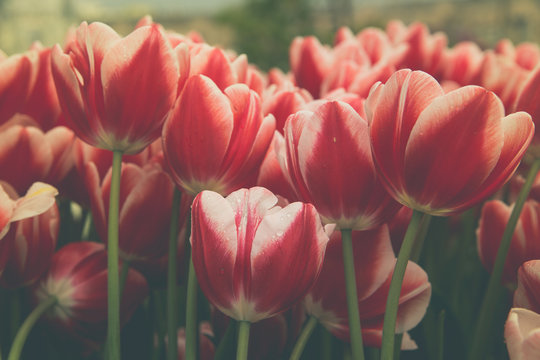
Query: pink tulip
{"x": 145, "y": 211}
{"x": 78, "y": 278}
{"x": 33, "y": 242}
{"x": 216, "y": 140}
{"x": 524, "y": 244}
{"x": 103, "y": 101}
{"x": 310, "y": 62}
{"x": 374, "y": 265}
{"x": 522, "y": 334}
{"x": 462, "y": 63}
{"x": 329, "y": 163}
{"x": 284, "y": 101}
{"x": 443, "y": 153}
{"x": 526, "y": 55}
{"x": 528, "y": 100}
{"x": 253, "y": 259}
{"x": 38, "y": 199}
{"x": 17, "y": 78}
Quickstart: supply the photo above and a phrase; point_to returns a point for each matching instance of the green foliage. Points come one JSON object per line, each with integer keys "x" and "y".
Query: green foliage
{"x": 264, "y": 29}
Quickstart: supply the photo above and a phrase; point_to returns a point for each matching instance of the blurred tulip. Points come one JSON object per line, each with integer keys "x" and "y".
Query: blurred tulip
{"x": 33, "y": 242}
{"x": 527, "y": 294}
{"x": 78, "y": 278}
{"x": 271, "y": 175}
{"x": 529, "y": 100}
{"x": 102, "y": 101}
{"x": 329, "y": 163}
{"x": 522, "y": 334}
{"x": 524, "y": 244}
{"x": 17, "y": 78}
{"x": 253, "y": 259}
{"x": 42, "y": 104}
{"x": 374, "y": 265}
{"x": 429, "y": 153}
{"x": 38, "y": 199}
{"x": 282, "y": 102}
{"x": 310, "y": 61}
{"x": 425, "y": 50}
{"x": 145, "y": 211}
{"x": 206, "y": 346}
{"x": 219, "y": 143}
{"x": 462, "y": 63}
{"x": 526, "y": 55}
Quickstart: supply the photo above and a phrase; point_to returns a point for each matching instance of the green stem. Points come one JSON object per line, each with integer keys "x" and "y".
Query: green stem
{"x": 392, "y": 302}
{"x": 420, "y": 238}
{"x": 191, "y": 313}
{"x": 326, "y": 351}
{"x": 398, "y": 339}
{"x": 24, "y": 330}
{"x": 243, "y": 340}
{"x": 172, "y": 322}
{"x": 440, "y": 335}
{"x": 484, "y": 322}
{"x": 355, "y": 330}
{"x": 113, "y": 286}
{"x": 303, "y": 338}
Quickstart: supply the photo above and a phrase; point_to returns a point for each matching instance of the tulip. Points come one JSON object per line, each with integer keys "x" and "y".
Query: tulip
{"x": 253, "y": 259}
{"x": 526, "y": 55}
{"x": 462, "y": 63}
{"x": 17, "y": 78}
{"x": 527, "y": 294}
{"x": 284, "y": 101}
{"x": 374, "y": 265}
{"x": 77, "y": 278}
{"x": 102, "y": 101}
{"x": 522, "y": 334}
{"x": 38, "y": 199}
{"x": 528, "y": 100}
{"x": 206, "y": 346}
{"x": 429, "y": 153}
{"x": 42, "y": 104}
{"x": 328, "y": 160}
{"x": 524, "y": 244}
{"x": 310, "y": 62}
{"x": 33, "y": 242}
{"x": 220, "y": 143}
{"x": 146, "y": 193}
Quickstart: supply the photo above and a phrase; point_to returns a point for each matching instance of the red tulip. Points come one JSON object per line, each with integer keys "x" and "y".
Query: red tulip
{"x": 42, "y": 104}
{"x": 527, "y": 294}
{"x": 145, "y": 211}
{"x": 522, "y": 334}
{"x": 206, "y": 346}
{"x": 33, "y": 242}
{"x": 526, "y": 55}
{"x": 374, "y": 265}
{"x": 529, "y": 100}
{"x": 524, "y": 244}
{"x": 38, "y": 199}
{"x": 443, "y": 153}
{"x": 253, "y": 259}
{"x": 17, "y": 77}
{"x": 270, "y": 174}
{"x": 462, "y": 63}
{"x": 216, "y": 140}
{"x": 105, "y": 104}
{"x": 310, "y": 62}
{"x": 284, "y": 101}
{"x": 78, "y": 278}
{"x": 330, "y": 165}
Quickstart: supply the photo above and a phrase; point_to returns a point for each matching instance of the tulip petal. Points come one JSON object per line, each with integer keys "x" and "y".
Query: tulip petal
{"x": 464, "y": 124}
{"x": 38, "y": 199}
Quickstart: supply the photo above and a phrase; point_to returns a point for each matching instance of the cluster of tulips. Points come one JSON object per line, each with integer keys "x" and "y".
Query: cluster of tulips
{"x": 284, "y": 197}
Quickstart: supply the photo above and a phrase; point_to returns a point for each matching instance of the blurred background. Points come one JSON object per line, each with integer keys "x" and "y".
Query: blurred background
{"x": 263, "y": 29}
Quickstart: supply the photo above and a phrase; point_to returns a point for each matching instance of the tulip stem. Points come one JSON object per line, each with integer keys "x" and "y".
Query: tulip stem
{"x": 392, "y": 302}
{"x": 484, "y": 322}
{"x": 123, "y": 276}
{"x": 26, "y": 327}
{"x": 357, "y": 346}
{"x": 113, "y": 286}
{"x": 243, "y": 340}
{"x": 226, "y": 341}
{"x": 303, "y": 338}
{"x": 191, "y": 313}
{"x": 172, "y": 322}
